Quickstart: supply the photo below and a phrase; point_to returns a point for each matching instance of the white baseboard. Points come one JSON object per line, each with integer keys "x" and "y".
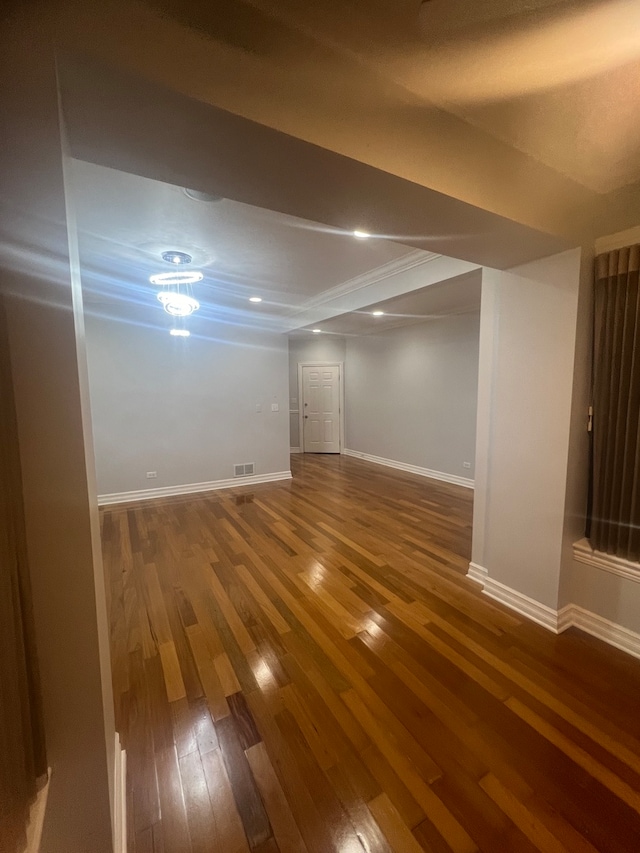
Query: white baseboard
{"x": 572, "y": 615}
{"x": 412, "y": 469}
{"x": 36, "y": 818}
{"x": 120, "y": 799}
{"x": 529, "y": 607}
{"x": 610, "y": 632}
{"x": 477, "y": 573}
{"x": 191, "y": 488}
{"x": 295, "y": 450}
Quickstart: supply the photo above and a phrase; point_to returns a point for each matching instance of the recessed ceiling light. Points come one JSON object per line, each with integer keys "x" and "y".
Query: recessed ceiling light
{"x": 378, "y": 313}
{"x": 316, "y": 331}
{"x": 361, "y": 235}
{"x": 177, "y": 258}
{"x": 178, "y": 304}
{"x": 176, "y": 278}
{"x": 255, "y": 299}
{"x": 180, "y": 333}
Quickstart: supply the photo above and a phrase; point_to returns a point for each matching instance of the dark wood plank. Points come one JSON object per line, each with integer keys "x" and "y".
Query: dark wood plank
{"x": 245, "y": 792}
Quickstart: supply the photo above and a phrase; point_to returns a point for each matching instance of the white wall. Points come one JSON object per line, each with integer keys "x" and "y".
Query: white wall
{"x": 309, "y": 348}
{"x": 185, "y": 408}
{"x": 526, "y": 383}
{"x": 411, "y": 394}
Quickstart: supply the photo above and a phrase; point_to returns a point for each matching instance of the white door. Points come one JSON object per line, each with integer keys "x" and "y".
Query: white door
{"x": 321, "y": 409}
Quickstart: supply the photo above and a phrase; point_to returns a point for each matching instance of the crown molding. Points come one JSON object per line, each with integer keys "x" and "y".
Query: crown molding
{"x": 395, "y": 267}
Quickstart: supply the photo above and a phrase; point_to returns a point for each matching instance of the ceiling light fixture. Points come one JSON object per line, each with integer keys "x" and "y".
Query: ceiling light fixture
{"x": 316, "y": 331}
{"x": 177, "y": 258}
{"x": 176, "y": 278}
{"x": 180, "y": 333}
{"x": 361, "y": 235}
{"x": 255, "y": 299}
{"x": 378, "y": 313}
{"x": 178, "y": 304}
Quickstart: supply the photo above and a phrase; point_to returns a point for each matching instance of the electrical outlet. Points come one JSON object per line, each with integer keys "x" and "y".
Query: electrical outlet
{"x": 275, "y": 407}
{"x": 466, "y": 464}
{"x": 151, "y": 475}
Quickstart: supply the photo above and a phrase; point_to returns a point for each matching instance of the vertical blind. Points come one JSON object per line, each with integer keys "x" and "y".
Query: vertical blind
{"x": 22, "y": 748}
{"x": 615, "y": 508}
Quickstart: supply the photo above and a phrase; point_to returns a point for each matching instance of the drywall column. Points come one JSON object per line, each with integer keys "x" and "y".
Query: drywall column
{"x": 486, "y": 365}
{"x": 527, "y": 348}
{"x": 43, "y": 310}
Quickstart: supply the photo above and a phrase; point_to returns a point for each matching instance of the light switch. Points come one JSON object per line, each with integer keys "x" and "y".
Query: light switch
{"x": 275, "y": 407}
{"x": 258, "y": 407}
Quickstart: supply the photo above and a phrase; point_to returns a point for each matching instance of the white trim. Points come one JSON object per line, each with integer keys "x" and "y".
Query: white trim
{"x": 432, "y": 269}
{"x": 120, "y": 799}
{"x": 340, "y": 366}
{"x": 191, "y": 488}
{"x": 295, "y": 450}
{"x": 407, "y": 262}
{"x": 412, "y": 469}
{"x": 610, "y": 632}
{"x": 36, "y": 818}
{"x": 618, "y": 241}
{"x": 584, "y": 553}
{"x": 529, "y": 607}
{"x": 572, "y": 615}
{"x": 477, "y": 573}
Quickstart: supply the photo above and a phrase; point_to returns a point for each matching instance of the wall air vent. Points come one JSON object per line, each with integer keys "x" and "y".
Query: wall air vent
{"x": 245, "y": 470}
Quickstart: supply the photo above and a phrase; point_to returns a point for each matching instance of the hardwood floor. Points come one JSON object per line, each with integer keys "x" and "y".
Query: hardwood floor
{"x": 303, "y": 667}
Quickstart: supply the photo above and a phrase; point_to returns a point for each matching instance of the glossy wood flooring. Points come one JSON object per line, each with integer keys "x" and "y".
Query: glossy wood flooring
{"x": 303, "y": 667}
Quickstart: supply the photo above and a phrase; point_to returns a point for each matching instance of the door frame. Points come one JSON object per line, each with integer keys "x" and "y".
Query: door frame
{"x": 340, "y": 366}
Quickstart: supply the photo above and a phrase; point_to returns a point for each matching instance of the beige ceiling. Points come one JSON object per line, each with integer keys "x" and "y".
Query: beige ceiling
{"x": 559, "y": 81}
{"x": 523, "y": 108}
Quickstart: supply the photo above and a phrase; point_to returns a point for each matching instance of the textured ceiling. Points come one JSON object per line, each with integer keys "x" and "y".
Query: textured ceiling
{"x": 558, "y": 81}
